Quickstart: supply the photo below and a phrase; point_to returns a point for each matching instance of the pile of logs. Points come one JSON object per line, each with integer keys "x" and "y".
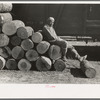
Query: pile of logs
{"x": 22, "y": 48}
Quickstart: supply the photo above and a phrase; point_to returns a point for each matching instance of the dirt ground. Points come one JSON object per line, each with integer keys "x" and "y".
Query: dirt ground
{"x": 69, "y": 76}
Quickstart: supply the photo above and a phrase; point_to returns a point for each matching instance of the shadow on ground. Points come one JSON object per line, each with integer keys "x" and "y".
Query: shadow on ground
{"x": 76, "y": 72}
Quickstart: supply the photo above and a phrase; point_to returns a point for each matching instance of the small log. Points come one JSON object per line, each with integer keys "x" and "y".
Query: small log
{"x": 17, "y": 52}
{"x": 32, "y": 55}
{"x": 8, "y": 50}
{"x": 54, "y": 52}
{"x": 10, "y": 28}
{"x": 24, "y": 65}
{"x": 27, "y": 44}
{"x": 43, "y": 64}
{"x": 15, "y": 40}
{"x": 88, "y": 69}
{"x": 5, "y": 17}
{"x": 43, "y": 47}
{"x": 59, "y": 65}
{"x": 29, "y": 30}
{"x": 11, "y": 64}
{"x": 2, "y": 63}
{"x": 5, "y": 7}
{"x": 22, "y": 33}
{"x": 37, "y": 37}
{"x": 4, "y": 40}
{"x": 5, "y": 52}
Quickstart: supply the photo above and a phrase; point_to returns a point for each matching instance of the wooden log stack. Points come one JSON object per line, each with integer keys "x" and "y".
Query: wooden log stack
{"x": 20, "y": 47}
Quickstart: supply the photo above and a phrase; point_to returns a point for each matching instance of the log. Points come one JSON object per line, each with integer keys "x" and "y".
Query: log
{"x": 29, "y": 30}
{"x": 27, "y": 44}
{"x": 11, "y": 64}
{"x": 4, "y": 40}
{"x": 5, "y": 17}
{"x": 5, "y": 52}
{"x": 37, "y": 37}
{"x": 8, "y": 50}
{"x": 22, "y": 33}
{"x": 32, "y": 55}
{"x": 2, "y": 63}
{"x": 43, "y": 64}
{"x": 88, "y": 69}
{"x": 43, "y": 47}
{"x": 6, "y": 7}
{"x": 10, "y": 28}
{"x": 15, "y": 40}
{"x": 17, "y": 52}
{"x": 54, "y": 52}
{"x": 24, "y": 65}
{"x": 59, "y": 65}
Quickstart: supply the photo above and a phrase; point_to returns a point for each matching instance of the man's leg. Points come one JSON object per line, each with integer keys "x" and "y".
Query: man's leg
{"x": 75, "y": 53}
{"x": 63, "y": 45}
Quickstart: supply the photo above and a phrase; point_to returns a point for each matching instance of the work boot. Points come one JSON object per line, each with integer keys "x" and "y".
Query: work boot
{"x": 82, "y": 58}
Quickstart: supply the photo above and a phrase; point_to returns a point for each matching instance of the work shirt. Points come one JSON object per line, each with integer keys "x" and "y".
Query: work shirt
{"x": 49, "y": 33}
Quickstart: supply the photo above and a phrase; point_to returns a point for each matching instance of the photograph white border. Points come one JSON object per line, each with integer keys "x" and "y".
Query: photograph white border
{"x": 50, "y": 90}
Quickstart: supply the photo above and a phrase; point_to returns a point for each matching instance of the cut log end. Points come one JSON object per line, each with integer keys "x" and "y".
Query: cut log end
{"x": 11, "y": 64}
{"x": 88, "y": 69}
{"x": 2, "y": 63}
{"x": 4, "y": 40}
{"x": 32, "y": 55}
{"x": 43, "y": 47}
{"x": 24, "y": 65}
{"x": 90, "y": 73}
{"x": 43, "y": 64}
{"x": 17, "y": 52}
{"x": 27, "y": 44}
{"x": 37, "y": 37}
{"x": 55, "y": 52}
{"x": 59, "y": 65}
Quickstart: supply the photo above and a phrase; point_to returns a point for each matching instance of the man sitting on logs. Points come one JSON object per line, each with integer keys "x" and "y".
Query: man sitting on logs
{"x": 50, "y": 35}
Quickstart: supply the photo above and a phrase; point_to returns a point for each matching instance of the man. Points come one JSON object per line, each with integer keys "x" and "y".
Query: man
{"x": 50, "y": 35}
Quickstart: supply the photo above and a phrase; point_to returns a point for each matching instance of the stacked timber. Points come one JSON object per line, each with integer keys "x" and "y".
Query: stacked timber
{"x": 22, "y": 49}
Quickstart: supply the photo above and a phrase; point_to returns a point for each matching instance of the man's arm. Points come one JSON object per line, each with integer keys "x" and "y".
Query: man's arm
{"x": 47, "y": 34}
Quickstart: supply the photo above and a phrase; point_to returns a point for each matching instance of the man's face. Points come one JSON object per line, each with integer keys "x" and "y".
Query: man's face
{"x": 51, "y": 23}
